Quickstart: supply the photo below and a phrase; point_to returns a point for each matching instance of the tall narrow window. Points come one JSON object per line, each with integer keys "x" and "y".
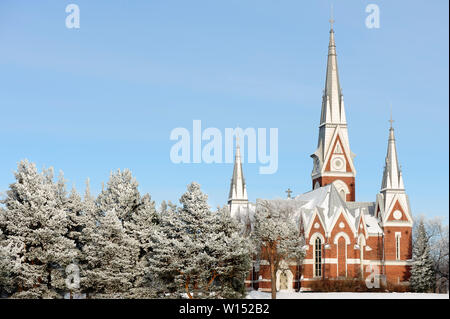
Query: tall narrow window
{"x": 318, "y": 258}
{"x": 397, "y": 245}
{"x": 361, "y": 254}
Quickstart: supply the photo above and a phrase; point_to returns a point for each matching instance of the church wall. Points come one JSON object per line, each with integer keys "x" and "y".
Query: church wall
{"x": 398, "y": 274}
{"x": 405, "y": 242}
{"x": 349, "y": 181}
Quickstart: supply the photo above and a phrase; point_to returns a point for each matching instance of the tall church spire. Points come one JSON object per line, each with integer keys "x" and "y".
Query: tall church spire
{"x": 333, "y": 158}
{"x": 392, "y": 175}
{"x": 238, "y": 190}
{"x": 333, "y": 110}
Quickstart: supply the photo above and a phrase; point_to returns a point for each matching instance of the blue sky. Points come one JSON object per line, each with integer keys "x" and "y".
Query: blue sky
{"x": 107, "y": 95}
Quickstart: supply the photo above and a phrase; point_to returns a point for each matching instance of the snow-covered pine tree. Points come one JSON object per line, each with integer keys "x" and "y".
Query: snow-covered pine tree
{"x": 121, "y": 194}
{"x": 111, "y": 256}
{"x": 422, "y": 271}
{"x": 137, "y": 215}
{"x": 232, "y": 256}
{"x": 197, "y": 252}
{"x": 35, "y": 219}
{"x": 9, "y": 265}
{"x": 143, "y": 220}
{"x": 91, "y": 217}
{"x": 76, "y": 216}
{"x": 179, "y": 254}
{"x": 277, "y": 236}
{"x": 77, "y": 220}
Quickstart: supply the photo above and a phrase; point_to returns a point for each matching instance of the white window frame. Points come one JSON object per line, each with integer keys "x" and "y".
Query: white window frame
{"x": 398, "y": 236}
{"x": 318, "y": 265}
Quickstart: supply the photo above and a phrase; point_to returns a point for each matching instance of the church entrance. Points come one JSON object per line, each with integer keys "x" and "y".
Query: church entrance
{"x": 283, "y": 281}
{"x": 285, "y": 278}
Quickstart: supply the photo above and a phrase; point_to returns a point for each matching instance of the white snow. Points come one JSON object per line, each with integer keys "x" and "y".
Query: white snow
{"x": 345, "y": 295}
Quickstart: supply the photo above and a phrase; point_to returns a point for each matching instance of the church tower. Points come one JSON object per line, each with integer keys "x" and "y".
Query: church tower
{"x": 393, "y": 212}
{"x": 333, "y": 159}
{"x": 237, "y": 198}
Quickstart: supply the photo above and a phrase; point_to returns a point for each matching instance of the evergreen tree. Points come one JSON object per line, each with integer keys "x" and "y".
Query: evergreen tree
{"x": 277, "y": 236}
{"x": 121, "y": 194}
{"x": 422, "y": 271}
{"x": 111, "y": 256}
{"x": 9, "y": 265}
{"x": 76, "y": 216}
{"x": 232, "y": 253}
{"x": 35, "y": 219}
{"x": 178, "y": 254}
{"x": 136, "y": 217}
{"x": 196, "y": 252}
{"x": 140, "y": 226}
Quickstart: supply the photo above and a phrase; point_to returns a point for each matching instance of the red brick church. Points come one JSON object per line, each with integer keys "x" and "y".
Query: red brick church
{"x": 344, "y": 238}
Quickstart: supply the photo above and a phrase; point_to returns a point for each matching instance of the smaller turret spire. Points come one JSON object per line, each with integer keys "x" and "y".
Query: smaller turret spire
{"x": 392, "y": 175}
{"x": 238, "y": 190}
{"x": 238, "y": 199}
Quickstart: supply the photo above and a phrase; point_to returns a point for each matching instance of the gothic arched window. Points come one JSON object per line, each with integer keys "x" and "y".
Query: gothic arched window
{"x": 318, "y": 257}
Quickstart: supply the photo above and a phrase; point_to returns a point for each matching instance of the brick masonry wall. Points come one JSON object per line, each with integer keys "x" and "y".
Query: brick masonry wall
{"x": 394, "y": 273}
{"x": 349, "y": 181}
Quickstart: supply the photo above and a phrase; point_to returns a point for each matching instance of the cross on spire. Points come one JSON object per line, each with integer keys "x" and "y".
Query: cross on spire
{"x": 289, "y": 192}
{"x": 331, "y": 17}
{"x": 391, "y": 120}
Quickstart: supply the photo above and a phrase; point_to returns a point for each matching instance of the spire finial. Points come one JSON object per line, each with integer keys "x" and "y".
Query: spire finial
{"x": 391, "y": 120}
{"x": 331, "y": 17}
{"x": 237, "y": 136}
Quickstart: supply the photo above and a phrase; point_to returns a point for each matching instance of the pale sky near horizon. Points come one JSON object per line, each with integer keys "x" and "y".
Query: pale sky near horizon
{"x": 107, "y": 95}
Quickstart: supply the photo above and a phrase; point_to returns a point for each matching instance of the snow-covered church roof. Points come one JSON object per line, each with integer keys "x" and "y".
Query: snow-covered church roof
{"x": 327, "y": 204}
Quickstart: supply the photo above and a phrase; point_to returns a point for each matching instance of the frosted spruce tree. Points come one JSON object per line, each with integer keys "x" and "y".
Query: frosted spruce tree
{"x": 76, "y": 217}
{"x": 9, "y": 265}
{"x": 35, "y": 219}
{"x": 111, "y": 256}
{"x": 232, "y": 253}
{"x": 422, "y": 271}
{"x": 276, "y": 236}
{"x": 179, "y": 256}
{"x": 143, "y": 220}
{"x": 194, "y": 253}
{"x": 136, "y": 217}
{"x": 121, "y": 194}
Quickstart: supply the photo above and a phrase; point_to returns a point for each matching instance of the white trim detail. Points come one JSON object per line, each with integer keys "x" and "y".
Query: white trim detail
{"x": 324, "y": 261}
{"x": 339, "y": 235}
{"x": 398, "y": 236}
{"x": 312, "y": 239}
{"x": 354, "y": 261}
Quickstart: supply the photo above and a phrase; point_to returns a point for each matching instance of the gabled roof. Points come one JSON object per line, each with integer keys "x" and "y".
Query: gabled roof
{"x": 327, "y": 204}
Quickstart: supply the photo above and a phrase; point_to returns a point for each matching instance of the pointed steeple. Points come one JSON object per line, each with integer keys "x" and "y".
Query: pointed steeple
{"x": 392, "y": 175}
{"x": 333, "y": 111}
{"x": 238, "y": 189}
{"x": 333, "y": 158}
